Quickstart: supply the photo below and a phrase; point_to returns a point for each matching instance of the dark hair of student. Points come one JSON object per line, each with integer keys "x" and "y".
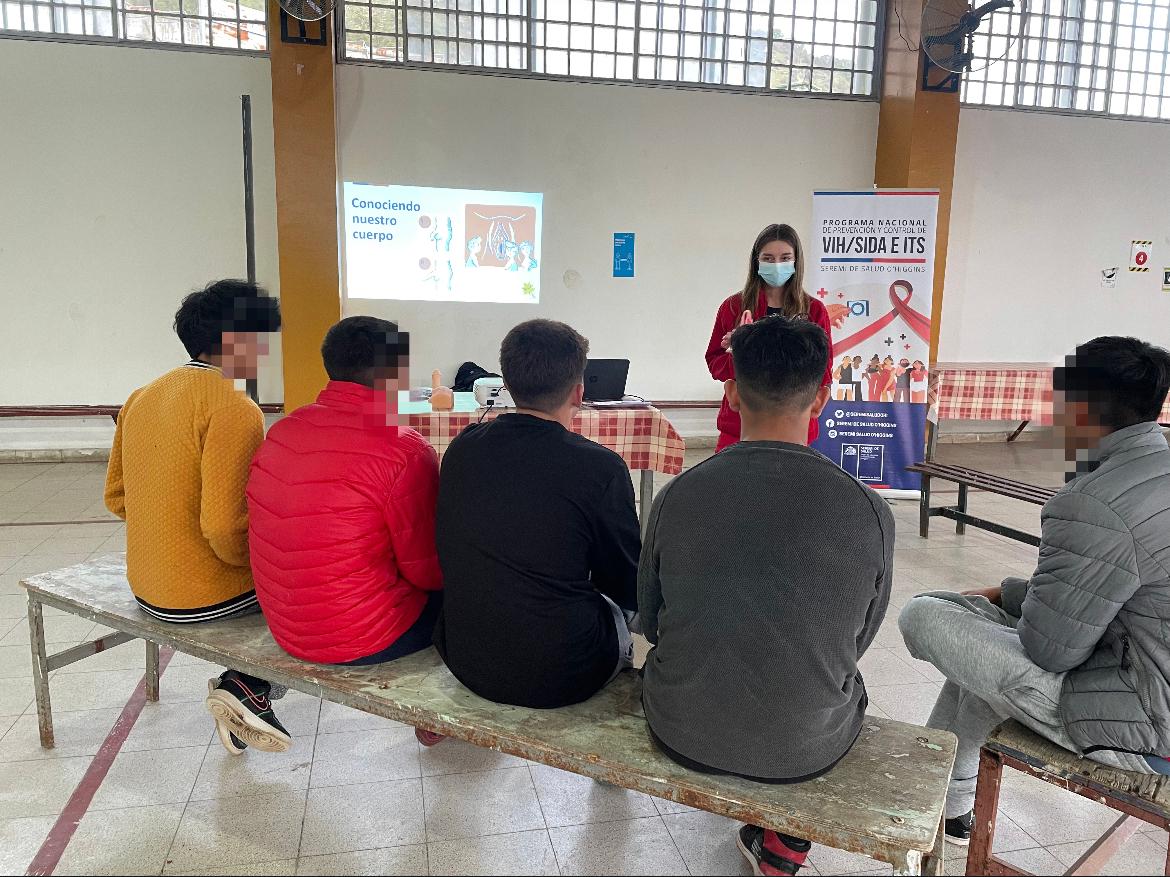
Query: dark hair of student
{"x": 361, "y": 350}
{"x": 779, "y": 363}
{"x": 224, "y": 306}
{"x": 1123, "y": 380}
{"x": 541, "y": 362}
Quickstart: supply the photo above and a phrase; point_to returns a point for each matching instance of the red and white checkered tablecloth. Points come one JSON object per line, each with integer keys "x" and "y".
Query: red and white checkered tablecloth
{"x": 996, "y": 391}
{"x": 641, "y": 436}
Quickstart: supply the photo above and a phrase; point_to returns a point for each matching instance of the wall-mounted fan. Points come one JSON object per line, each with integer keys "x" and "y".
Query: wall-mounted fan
{"x": 308, "y": 10}
{"x": 949, "y": 32}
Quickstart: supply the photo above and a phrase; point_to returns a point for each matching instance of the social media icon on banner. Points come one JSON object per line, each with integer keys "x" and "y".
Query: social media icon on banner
{"x": 858, "y": 308}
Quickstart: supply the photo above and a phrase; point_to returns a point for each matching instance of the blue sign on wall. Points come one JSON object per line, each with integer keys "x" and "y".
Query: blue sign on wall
{"x": 623, "y": 254}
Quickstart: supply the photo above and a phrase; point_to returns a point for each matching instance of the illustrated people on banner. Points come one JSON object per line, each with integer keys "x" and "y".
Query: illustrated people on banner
{"x": 858, "y": 371}
{"x": 889, "y": 379}
{"x": 873, "y": 373}
{"x": 918, "y": 379}
{"x": 474, "y": 248}
{"x": 902, "y": 376}
{"x": 843, "y": 379}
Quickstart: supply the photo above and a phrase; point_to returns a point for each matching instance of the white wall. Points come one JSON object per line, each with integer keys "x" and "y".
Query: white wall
{"x": 120, "y": 191}
{"x": 695, "y": 175}
{"x": 1042, "y": 203}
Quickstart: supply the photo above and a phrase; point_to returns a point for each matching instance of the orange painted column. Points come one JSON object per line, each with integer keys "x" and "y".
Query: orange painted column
{"x": 917, "y": 134}
{"x": 305, "y": 143}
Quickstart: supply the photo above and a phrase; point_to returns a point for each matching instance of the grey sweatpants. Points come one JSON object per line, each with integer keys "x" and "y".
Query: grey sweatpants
{"x": 989, "y": 679}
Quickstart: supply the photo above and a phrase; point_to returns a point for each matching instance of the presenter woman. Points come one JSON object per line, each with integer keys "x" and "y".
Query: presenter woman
{"x": 775, "y": 285}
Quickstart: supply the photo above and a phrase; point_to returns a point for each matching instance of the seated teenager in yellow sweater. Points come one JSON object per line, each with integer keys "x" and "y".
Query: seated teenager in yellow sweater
{"x": 177, "y": 473}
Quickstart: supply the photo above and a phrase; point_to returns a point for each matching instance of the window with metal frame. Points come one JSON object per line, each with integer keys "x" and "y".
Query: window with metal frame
{"x": 219, "y": 24}
{"x": 1084, "y": 56}
{"x": 818, "y": 46}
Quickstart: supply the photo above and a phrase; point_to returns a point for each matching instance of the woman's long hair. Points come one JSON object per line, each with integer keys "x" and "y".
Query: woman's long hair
{"x": 794, "y": 300}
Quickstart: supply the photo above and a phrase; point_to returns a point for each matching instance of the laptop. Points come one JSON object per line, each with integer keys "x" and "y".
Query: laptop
{"x": 605, "y": 379}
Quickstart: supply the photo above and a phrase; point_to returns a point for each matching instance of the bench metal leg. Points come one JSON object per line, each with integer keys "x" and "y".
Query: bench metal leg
{"x": 151, "y": 671}
{"x": 980, "y": 859}
{"x": 1106, "y": 846}
{"x": 40, "y": 662}
{"x": 924, "y": 509}
{"x": 645, "y": 496}
{"x": 961, "y": 527}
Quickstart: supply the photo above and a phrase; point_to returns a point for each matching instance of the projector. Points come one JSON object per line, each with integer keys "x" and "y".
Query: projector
{"x": 490, "y": 393}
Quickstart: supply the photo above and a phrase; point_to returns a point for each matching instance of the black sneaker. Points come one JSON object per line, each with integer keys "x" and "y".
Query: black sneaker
{"x": 244, "y": 709}
{"x": 958, "y": 830}
{"x": 764, "y": 861}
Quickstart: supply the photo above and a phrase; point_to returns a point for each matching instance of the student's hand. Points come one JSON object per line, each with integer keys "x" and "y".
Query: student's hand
{"x": 726, "y": 342}
{"x": 994, "y": 595}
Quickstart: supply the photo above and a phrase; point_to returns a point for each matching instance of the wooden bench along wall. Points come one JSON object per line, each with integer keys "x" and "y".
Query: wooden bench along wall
{"x": 884, "y": 799}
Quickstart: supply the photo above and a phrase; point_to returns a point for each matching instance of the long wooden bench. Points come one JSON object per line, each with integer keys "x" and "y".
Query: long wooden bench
{"x": 885, "y": 799}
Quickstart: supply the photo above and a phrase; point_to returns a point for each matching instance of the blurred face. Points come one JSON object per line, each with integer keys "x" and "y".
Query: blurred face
{"x": 474, "y": 246}
{"x": 777, "y": 251}
{"x": 241, "y": 352}
{"x": 392, "y": 382}
{"x": 1075, "y": 427}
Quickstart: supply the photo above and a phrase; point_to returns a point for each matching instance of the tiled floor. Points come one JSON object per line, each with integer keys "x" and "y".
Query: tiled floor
{"x": 357, "y": 795}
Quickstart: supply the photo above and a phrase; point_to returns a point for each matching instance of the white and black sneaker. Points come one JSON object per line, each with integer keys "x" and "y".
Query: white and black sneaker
{"x": 241, "y": 704}
{"x": 958, "y": 830}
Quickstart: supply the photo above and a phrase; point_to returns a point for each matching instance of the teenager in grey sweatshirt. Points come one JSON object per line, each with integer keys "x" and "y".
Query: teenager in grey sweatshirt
{"x": 758, "y": 607}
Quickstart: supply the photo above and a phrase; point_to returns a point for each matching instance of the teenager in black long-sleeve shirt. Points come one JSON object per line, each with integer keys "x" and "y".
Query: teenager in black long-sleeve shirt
{"x": 537, "y": 537}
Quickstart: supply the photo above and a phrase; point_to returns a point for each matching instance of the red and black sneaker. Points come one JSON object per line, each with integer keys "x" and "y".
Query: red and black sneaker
{"x": 241, "y": 704}
{"x": 770, "y": 853}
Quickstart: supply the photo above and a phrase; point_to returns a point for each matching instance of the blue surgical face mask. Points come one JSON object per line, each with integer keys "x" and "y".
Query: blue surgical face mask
{"x": 776, "y": 273}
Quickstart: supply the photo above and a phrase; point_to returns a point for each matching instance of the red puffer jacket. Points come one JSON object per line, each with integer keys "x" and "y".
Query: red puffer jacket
{"x": 341, "y": 526}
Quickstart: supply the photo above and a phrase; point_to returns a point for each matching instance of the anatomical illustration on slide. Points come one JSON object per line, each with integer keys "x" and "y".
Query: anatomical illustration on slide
{"x": 501, "y": 236}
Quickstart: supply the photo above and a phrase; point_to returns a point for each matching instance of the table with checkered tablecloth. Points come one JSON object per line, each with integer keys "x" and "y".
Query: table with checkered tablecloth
{"x": 643, "y": 437}
{"x": 996, "y": 391}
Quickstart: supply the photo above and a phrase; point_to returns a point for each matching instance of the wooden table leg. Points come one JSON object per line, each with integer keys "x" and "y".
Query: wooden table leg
{"x": 935, "y": 862}
{"x": 151, "y": 671}
{"x": 40, "y": 668}
{"x": 645, "y": 497}
{"x": 1019, "y": 429}
{"x": 910, "y": 863}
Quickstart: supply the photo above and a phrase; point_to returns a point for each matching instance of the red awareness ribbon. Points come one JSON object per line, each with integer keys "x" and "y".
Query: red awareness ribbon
{"x": 918, "y": 324}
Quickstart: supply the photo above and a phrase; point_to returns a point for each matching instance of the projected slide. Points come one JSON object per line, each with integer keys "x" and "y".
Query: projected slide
{"x": 424, "y": 244}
